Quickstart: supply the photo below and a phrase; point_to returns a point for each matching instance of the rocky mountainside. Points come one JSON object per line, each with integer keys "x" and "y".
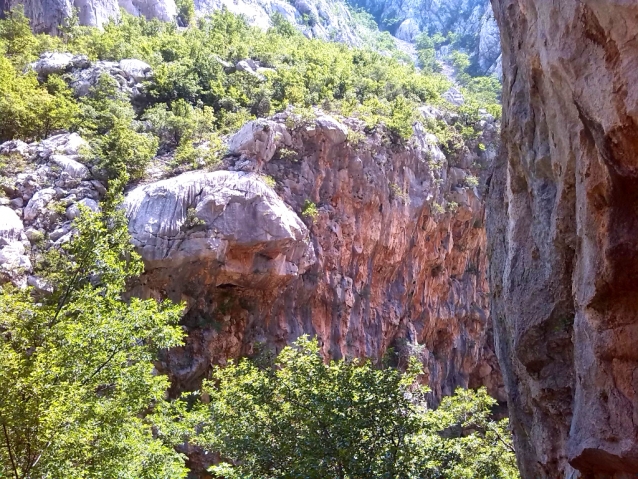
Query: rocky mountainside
{"x": 472, "y": 21}
{"x": 310, "y": 227}
{"x": 48, "y": 15}
{"x": 562, "y": 229}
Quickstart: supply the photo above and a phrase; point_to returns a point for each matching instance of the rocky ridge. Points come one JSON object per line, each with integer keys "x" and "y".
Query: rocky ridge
{"x": 562, "y": 230}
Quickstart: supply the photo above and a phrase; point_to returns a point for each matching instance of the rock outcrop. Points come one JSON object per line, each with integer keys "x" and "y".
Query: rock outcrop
{"x": 48, "y": 15}
{"x": 83, "y": 74}
{"x": 320, "y": 227}
{"x": 390, "y": 254}
{"x": 562, "y": 230}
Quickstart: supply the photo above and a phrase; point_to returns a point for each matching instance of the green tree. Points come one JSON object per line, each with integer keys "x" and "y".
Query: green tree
{"x": 426, "y": 52}
{"x": 30, "y": 111}
{"x": 185, "y": 12}
{"x": 79, "y": 396}
{"x": 301, "y": 417}
{"x": 123, "y": 154}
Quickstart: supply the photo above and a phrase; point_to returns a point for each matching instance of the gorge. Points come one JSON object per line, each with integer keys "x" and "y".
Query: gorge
{"x": 387, "y": 211}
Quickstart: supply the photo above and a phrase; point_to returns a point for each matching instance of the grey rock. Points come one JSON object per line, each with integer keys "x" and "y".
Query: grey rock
{"x": 39, "y": 284}
{"x": 13, "y": 147}
{"x": 164, "y": 10}
{"x": 136, "y": 69}
{"x": 335, "y": 131}
{"x": 454, "y": 96}
{"x": 38, "y": 202}
{"x": 58, "y": 63}
{"x": 258, "y": 140}
{"x": 59, "y": 232}
{"x": 64, "y": 143}
{"x": 408, "y": 30}
{"x": 212, "y": 217}
{"x": 16, "y": 203}
{"x": 249, "y": 66}
{"x": 72, "y": 171}
{"x": 73, "y": 211}
{"x": 13, "y": 258}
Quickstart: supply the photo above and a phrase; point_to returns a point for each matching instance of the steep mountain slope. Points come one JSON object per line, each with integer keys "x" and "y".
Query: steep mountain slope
{"x": 360, "y": 221}
{"x": 471, "y": 22}
{"x": 562, "y": 231}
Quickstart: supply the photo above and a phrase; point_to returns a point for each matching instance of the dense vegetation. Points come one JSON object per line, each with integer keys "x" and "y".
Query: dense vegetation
{"x": 196, "y": 94}
{"x": 302, "y": 418}
{"x": 79, "y": 395}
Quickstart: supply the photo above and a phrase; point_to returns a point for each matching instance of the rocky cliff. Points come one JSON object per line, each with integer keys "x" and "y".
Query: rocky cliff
{"x": 47, "y": 15}
{"x": 309, "y": 227}
{"x": 562, "y": 229}
{"x": 390, "y": 254}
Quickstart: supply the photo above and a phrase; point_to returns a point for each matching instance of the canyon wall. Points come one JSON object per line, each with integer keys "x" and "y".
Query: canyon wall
{"x": 380, "y": 250}
{"x": 312, "y": 225}
{"x": 562, "y": 225}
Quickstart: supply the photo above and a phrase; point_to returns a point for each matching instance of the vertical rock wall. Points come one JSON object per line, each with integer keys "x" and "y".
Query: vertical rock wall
{"x": 47, "y": 15}
{"x": 396, "y": 262}
{"x": 563, "y": 233}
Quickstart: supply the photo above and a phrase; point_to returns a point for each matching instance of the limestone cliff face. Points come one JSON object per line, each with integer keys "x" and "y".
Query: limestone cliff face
{"x": 562, "y": 226}
{"x": 47, "y": 15}
{"x": 393, "y": 258}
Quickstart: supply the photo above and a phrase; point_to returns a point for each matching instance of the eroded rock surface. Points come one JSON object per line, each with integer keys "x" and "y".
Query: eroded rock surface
{"x": 563, "y": 229}
{"x": 227, "y": 227}
{"x": 48, "y": 15}
{"x": 393, "y": 256}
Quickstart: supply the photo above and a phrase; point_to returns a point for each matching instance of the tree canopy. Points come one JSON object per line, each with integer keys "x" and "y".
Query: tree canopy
{"x": 301, "y": 417}
{"x": 79, "y": 394}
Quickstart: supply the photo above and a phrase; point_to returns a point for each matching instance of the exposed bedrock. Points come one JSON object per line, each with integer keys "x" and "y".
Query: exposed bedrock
{"x": 563, "y": 229}
{"x": 381, "y": 264}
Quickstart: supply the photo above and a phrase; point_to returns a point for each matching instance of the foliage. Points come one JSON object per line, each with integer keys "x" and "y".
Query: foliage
{"x": 30, "y": 110}
{"x": 426, "y": 52}
{"x": 303, "y": 418}
{"x": 483, "y": 92}
{"x": 123, "y": 153}
{"x": 471, "y": 181}
{"x": 185, "y": 12}
{"x": 104, "y": 106}
{"x": 310, "y": 210}
{"x": 17, "y": 42}
{"x": 79, "y": 396}
{"x": 181, "y": 122}
{"x": 190, "y": 65}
